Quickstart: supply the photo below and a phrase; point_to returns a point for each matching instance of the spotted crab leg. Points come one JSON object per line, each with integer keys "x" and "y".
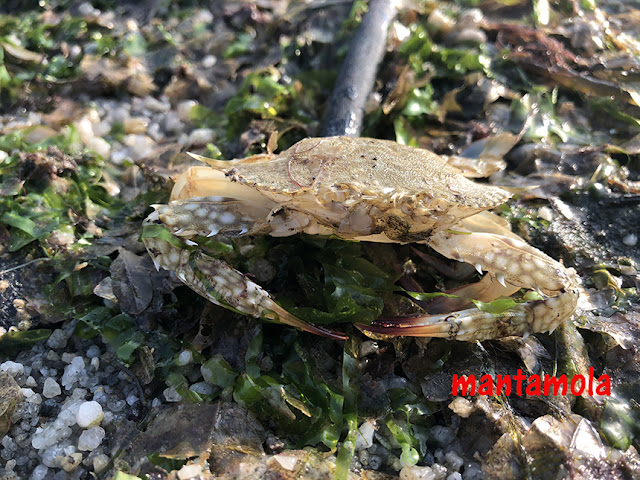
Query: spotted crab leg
{"x": 220, "y": 283}
{"x": 513, "y": 263}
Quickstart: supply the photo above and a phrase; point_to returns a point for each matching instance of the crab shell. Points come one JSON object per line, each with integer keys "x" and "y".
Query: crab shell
{"x": 368, "y": 190}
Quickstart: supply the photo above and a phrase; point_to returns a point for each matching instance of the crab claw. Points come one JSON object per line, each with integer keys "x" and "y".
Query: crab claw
{"x": 225, "y": 286}
{"x": 473, "y": 324}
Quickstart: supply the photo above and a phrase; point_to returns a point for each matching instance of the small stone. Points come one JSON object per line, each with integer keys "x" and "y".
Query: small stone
{"x": 72, "y": 372}
{"x": 201, "y": 136}
{"x": 453, "y": 460}
{"x": 49, "y": 435}
{"x": 417, "y": 473}
{"x": 185, "y": 358}
{"x": 630, "y": 240}
{"x": 67, "y": 357}
{"x": 3, "y": 156}
{"x": 51, "y": 388}
{"x": 93, "y": 351}
{"x": 202, "y": 388}
{"x": 209, "y": 61}
{"x": 172, "y": 123}
{"x": 70, "y": 462}
{"x": 39, "y": 473}
{"x": 135, "y": 125}
{"x": 89, "y": 414}
{"x": 184, "y": 110}
{"x": 100, "y": 461}
{"x": 12, "y": 368}
{"x": 85, "y": 9}
{"x": 91, "y": 439}
{"x": 30, "y": 382}
{"x": 462, "y": 406}
{"x": 288, "y": 462}
{"x": 171, "y": 395}
{"x": 364, "y": 437}
{"x": 84, "y": 128}
{"x": 187, "y": 472}
{"x": 100, "y": 146}
{"x": 139, "y": 145}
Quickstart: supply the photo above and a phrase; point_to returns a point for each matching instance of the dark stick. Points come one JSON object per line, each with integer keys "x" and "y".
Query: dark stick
{"x": 346, "y": 105}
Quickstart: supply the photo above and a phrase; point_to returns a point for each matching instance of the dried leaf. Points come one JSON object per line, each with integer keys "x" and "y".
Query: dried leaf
{"x": 131, "y": 282}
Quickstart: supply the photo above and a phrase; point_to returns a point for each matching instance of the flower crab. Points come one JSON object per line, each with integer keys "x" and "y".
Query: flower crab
{"x": 360, "y": 189}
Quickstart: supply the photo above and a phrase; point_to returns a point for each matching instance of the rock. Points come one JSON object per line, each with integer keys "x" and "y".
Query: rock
{"x": 10, "y": 396}
{"x": 89, "y": 414}
{"x": 51, "y": 388}
{"x": 12, "y": 368}
{"x": 91, "y": 439}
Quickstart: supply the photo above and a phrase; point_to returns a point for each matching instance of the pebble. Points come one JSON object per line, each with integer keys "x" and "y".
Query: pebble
{"x": 630, "y": 240}
{"x": 89, "y": 414}
{"x": 185, "y": 358}
{"x": 209, "y": 61}
{"x": 100, "y": 146}
{"x": 93, "y": 351}
{"x": 100, "y": 461}
{"x": 187, "y": 472}
{"x": 364, "y": 437}
{"x": 91, "y": 438}
{"x": 201, "y": 136}
{"x": 72, "y": 372}
{"x": 184, "y": 110}
{"x": 170, "y": 395}
{"x": 39, "y": 473}
{"x": 51, "y": 388}
{"x": 12, "y": 368}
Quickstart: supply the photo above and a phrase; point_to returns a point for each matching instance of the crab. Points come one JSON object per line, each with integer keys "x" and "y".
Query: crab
{"x": 359, "y": 189}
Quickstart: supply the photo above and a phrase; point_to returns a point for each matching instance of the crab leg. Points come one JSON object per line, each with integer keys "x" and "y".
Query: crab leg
{"x": 223, "y": 285}
{"x": 513, "y": 263}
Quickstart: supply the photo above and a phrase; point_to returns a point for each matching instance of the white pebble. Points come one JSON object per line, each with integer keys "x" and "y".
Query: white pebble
{"x": 30, "y": 382}
{"x": 455, "y": 476}
{"x": 3, "y": 156}
{"x": 72, "y": 373}
{"x": 84, "y": 128}
{"x": 91, "y": 439}
{"x": 545, "y": 213}
{"x": 185, "y": 358}
{"x": 209, "y": 61}
{"x": 172, "y": 123}
{"x": 187, "y": 472}
{"x": 100, "y": 146}
{"x": 85, "y": 9}
{"x": 454, "y": 460}
{"x": 100, "y": 462}
{"x": 51, "y": 388}
{"x": 89, "y": 414}
{"x": 201, "y": 136}
{"x": 39, "y": 473}
{"x": 49, "y": 435}
{"x": 170, "y": 395}
{"x": 184, "y": 110}
{"x": 202, "y": 388}
{"x": 12, "y": 368}
{"x": 417, "y": 473}
{"x": 630, "y": 240}
{"x": 139, "y": 145}
{"x": 203, "y": 16}
{"x": 364, "y": 437}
